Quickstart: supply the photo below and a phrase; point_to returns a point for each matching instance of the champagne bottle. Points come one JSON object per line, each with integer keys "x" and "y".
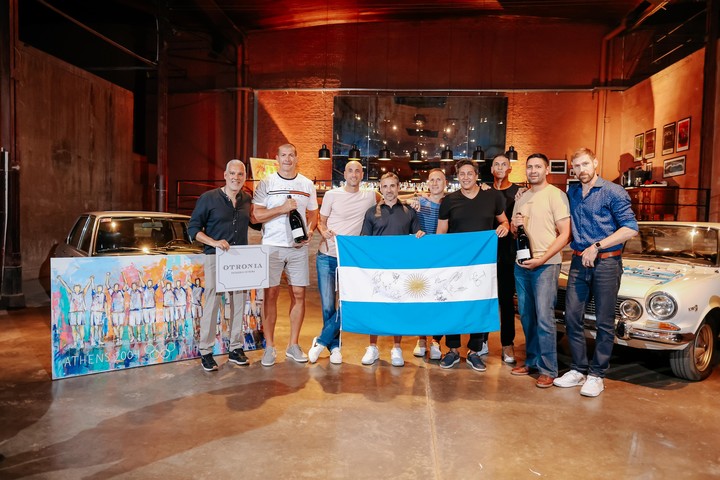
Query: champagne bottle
{"x": 523, "y": 245}
{"x": 297, "y": 226}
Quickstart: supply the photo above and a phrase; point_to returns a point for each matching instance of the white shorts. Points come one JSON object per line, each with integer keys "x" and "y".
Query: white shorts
{"x": 76, "y": 318}
{"x": 293, "y": 261}
{"x": 97, "y": 318}
{"x": 148, "y": 315}
{"x": 117, "y": 318}
{"x": 197, "y": 311}
{"x": 169, "y": 314}
{"x": 180, "y": 312}
{"x": 135, "y": 318}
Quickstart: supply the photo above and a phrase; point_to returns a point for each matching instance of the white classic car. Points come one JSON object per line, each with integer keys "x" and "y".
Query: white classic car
{"x": 669, "y": 296}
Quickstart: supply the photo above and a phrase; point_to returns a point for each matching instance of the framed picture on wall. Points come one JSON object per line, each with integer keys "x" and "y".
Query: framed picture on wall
{"x": 683, "y": 135}
{"x": 668, "y": 139}
{"x": 639, "y": 144}
{"x": 650, "y": 143}
{"x": 558, "y": 166}
{"x": 674, "y": 167}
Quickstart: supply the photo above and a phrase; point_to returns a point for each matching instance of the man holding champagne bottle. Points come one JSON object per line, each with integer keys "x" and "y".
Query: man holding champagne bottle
{"x": 542, "y": 216}
{"x": 287, "y": 234}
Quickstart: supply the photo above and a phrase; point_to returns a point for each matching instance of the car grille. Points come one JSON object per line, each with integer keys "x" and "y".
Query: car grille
{"x": 589, "y": 307}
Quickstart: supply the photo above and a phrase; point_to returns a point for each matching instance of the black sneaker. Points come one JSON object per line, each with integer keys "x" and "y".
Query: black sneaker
{"x": 238, "y": 357}
{"x": 208, "y": 363}
{"x": 475, "y": 362}
{"x": 450, "y": 360}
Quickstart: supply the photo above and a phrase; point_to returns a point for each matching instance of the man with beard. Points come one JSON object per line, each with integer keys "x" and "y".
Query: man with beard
{"x": 602, "y": 221}
{"x": 544, "y": 213}
{"x": 220, "y": 219}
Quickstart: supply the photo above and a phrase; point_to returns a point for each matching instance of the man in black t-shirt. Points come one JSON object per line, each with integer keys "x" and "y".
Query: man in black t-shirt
{"x": 500, "y": 169}
{"x": 470, "y": 209}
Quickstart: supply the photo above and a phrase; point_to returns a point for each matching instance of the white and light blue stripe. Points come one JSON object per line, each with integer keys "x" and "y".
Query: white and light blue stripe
{"x": 434, "y": 285}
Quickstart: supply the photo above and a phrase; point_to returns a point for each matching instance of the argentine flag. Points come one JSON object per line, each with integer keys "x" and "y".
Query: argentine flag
{"x": 434, "y": 285}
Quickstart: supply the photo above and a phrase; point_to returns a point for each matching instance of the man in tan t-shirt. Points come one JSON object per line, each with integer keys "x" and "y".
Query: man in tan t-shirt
{"x": 545, "y": 214}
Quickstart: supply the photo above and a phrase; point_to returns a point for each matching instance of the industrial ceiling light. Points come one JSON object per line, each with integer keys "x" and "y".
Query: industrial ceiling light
{"x": 354, "y": 153}
{"x": 447, "y": 154}
{"x": 478, "y": 155}
{"x": 511, "y": 154}
{"x": 415, "y": 156}
{"x": 415, "y": 177}
{"x": 324, "y": 153}
{"x": 384, "y": 154}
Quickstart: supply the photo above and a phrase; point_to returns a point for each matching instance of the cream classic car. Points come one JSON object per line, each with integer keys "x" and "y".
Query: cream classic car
{"x": 128, "y": 233}
{"x": 669, "y": 296}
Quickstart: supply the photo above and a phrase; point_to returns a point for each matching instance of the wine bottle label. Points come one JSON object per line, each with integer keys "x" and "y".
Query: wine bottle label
{"x": 523, "y": 254}
{"x": 298, "y": 232}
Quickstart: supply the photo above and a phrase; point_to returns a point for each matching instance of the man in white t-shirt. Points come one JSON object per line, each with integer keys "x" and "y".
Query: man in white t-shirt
{"x": 342, "y": 213}
{"x": 275, "y": 197}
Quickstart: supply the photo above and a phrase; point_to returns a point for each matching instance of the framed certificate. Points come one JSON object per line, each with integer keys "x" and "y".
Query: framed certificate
{"x": 242, "y": 267}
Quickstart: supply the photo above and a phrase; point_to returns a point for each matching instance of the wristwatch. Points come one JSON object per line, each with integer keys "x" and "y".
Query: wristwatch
{"x": 597, "y": 246}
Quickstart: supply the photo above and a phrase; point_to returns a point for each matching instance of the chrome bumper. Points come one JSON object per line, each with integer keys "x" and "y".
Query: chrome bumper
{"x": 626, "y": 334}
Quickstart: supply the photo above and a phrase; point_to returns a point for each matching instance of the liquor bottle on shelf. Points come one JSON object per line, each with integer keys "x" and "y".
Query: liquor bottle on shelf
{"x": 524, "y": 252}
{"x": 297, "y": 226}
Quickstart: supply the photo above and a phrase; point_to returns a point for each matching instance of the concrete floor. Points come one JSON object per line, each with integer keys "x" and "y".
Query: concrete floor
{"x": 346, "y": 421}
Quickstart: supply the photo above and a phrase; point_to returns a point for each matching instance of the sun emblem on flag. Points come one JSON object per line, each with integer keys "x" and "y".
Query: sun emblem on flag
{"x": 416, "y": 285}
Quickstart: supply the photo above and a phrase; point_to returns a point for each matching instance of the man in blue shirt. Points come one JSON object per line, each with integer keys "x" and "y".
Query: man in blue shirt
{"x": 602, "y": 221}
{"x": 220, "y": 219}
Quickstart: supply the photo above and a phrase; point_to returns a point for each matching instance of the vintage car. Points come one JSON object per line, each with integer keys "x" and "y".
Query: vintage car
{"x": 669, "y": 296}
{"x": 128, "y": 233}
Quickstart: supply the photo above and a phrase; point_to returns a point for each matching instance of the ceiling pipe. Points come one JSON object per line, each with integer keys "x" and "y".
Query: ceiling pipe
{"x": 99, "y": 35}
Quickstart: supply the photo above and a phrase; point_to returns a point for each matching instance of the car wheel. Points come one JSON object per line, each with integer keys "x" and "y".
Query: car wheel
{"x": 695, "y": 362}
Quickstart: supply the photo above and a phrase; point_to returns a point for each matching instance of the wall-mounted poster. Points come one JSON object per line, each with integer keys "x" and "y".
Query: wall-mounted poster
{"x": 113, "y": 313}
{"x": 558, "y": 166}
{"x": 650, "y": 143}
{"x": 683, "y": 135}
{"x": 639, "y": 144}
{"x": 668, "y": 140}
{"x": 674, "y": 167}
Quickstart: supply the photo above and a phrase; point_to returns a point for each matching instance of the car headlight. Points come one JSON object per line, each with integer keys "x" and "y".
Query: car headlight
{"x": 661, "y": 305}
{"x": 630, "y": 309}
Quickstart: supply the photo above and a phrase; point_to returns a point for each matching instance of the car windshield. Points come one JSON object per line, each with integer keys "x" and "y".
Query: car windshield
{"x": 141, "y": 234}
{"x": 675, "y": 243}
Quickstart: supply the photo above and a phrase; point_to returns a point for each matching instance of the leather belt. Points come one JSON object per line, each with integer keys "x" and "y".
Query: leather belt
{"x": 614, "y": 253}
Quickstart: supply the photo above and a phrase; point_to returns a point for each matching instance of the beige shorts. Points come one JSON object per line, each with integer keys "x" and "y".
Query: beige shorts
{"x": 292, "y": 261}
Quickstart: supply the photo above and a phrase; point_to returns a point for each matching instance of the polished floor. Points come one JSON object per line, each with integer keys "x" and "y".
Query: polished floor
{"x": 345, "y": 421}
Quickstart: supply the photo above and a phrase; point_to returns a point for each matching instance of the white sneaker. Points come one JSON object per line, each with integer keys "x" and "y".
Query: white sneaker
{"x": 315, "y": 351}
{"x": 484, "y": 350}
{"x": 371, "y": 355}
{"x": 508, "y": 355}
{"x": 419, "y": 350}
{"x": 435, "y": 353}
{"x": 335, "y": 356}
{"x": 593, "y": 386}
{"x": 396, "y": 357}
{"x": 573, "y": 378}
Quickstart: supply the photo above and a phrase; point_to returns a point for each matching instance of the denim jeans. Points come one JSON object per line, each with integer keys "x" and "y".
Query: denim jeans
{"x": 537, "y": 292}
{"x": 603, "y": 281}
{"x": 327, "y": 280}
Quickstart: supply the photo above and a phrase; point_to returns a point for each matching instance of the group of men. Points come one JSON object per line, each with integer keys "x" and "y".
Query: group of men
{"x": 596, "y": 214}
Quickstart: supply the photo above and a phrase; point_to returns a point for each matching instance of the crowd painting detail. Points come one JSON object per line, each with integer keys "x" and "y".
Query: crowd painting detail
{"x": 111, "y": 313}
